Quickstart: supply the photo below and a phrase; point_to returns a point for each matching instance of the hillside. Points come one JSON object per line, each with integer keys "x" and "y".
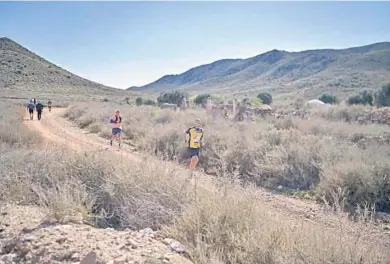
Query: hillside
{"x": 25, "y": 74}
{"x": 310, "y": 72}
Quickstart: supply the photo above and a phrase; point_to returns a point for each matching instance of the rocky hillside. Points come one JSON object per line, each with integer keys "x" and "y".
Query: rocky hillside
{"x": 23, "y": 73}
{"x": 311, "y": 72}
{"x": 27, "y": 235}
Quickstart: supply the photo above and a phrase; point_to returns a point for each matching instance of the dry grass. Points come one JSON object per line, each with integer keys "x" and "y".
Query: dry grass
{"x": 316, "y": 155}
{"x": 218, "y": 227}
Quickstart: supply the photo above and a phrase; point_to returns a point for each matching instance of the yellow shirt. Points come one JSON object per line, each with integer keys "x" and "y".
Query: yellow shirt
{"x": 196, "y": 136}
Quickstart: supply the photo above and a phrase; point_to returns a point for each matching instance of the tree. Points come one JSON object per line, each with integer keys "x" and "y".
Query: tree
{"x": 266, "y": 98}
{"x": 174, "y": 97}
{"x": 328, "y": 98}
{"x": 382, "y": 98}
{"x": 139, "y": 101}
{"x": 149, "y": 102}
{"x": 201, "y": 99}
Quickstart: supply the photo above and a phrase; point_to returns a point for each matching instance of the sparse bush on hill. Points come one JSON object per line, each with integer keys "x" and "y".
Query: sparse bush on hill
{"x": 382, "y": 98}
{"x": 328, "y": 98}
{"x": 174, "y": 97}
{"x": 266, "y": 98}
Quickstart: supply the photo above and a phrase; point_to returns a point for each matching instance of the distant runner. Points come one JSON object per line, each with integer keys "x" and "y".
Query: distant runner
{"x": 39, "y": 108}
{"x": 116, "y": 121}
{"x": 49, "y": 105}
{"x": 30, "y": 108}
{"x": 194, "y": 138}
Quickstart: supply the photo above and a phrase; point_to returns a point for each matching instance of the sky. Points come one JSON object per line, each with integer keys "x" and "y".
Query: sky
{"x": 122, "y": 44}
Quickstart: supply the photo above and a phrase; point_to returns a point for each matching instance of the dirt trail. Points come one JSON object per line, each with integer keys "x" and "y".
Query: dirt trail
{"x": 58, "y": 131}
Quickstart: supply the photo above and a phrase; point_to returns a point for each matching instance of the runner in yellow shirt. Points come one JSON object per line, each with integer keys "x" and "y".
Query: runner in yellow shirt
{"x": 194, "y": 137}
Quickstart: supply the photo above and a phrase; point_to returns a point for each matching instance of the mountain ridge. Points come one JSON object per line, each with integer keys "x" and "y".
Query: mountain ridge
{"x": 355, "y": 67}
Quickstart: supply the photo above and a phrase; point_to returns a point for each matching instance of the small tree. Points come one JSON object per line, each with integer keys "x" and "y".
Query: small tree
{"x": 174, "y": 97}
{"x": 201, "y": 99}
{"x": 328, "y": 98}
{"x": 266, "y": 98}
{"x": 139, "y": 101}
{"x": 353, "y": 100}
{"x": 382, "y": 98}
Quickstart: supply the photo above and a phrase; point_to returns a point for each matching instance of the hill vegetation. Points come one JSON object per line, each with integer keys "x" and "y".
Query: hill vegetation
{"x": 24, "y": 75}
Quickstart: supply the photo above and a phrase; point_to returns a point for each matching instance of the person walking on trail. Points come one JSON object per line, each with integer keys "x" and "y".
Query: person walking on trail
{"x": 39, "y": 107}
{"x": 49, "y": 105}
{"x": 30, "y": 108}
{"x": 116, "y": 121}
{"x": 194, "y": 139}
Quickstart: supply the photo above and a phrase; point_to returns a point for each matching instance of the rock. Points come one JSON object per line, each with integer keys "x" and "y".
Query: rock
{"x": 28, "y": 229}
{"x": 90, "y": 258}
{"x": 61, "y": 240}
{"x": 77, "y": 219}
{"x": 177, "y": 247}
{"x": 132, "y": 243}
{"x": 168, "y": 241}
{"x": 176, "y": 259}
{"x": 29, "y": 238}
{"x": 120, "y": 260}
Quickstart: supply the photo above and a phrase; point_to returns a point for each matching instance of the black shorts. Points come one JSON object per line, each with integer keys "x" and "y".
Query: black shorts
{"x": 31, "y": 111}
{"x": 193, "y": 152}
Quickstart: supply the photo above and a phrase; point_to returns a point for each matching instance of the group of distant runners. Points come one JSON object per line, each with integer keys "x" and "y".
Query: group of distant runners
{"x": 193, "y": 138}
{"x": 38, "y": 106}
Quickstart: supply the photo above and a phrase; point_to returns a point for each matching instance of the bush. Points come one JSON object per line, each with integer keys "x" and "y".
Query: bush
{"x": 364, "y": 98}
{"x": 139, "y": 101}
{"x": 174, "y": 97}
{"x": 382, "y": 98}
{"x": 328, "y": 99}
{"x": 266, "y": 98}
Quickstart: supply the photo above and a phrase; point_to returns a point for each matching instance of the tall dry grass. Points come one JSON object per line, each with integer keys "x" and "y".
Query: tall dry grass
{"x": 218, "y": 227}
{"x": 316, "y": 155}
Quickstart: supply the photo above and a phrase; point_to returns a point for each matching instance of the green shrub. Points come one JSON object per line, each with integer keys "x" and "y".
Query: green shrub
{"x": 266, "y": 98}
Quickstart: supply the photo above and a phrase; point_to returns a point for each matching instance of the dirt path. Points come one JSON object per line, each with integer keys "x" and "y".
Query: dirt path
{"x": 59, "y": 131}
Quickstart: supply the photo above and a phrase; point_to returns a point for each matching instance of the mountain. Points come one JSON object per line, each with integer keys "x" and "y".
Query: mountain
{"x": 311, "y": 72}
{"x": 25, "y": 74}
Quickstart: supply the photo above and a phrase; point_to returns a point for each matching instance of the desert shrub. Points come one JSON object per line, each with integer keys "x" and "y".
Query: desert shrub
{"x": 382, "y": 98}
{"x": 266, "y": 98}
{"x": 328, "y": 98}
{"x": 139, "y": 101}
{"x": 149, "y": 102}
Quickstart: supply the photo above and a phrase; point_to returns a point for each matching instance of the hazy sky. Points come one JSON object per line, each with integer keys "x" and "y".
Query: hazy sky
{"x": 133, "y": 43}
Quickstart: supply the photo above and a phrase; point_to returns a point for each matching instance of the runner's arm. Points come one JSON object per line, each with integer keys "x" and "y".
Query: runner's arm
{"x": 186, "y": 135}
